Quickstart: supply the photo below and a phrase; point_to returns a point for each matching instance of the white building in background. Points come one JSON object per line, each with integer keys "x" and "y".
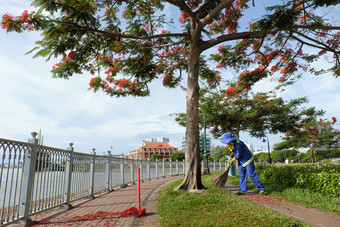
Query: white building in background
{"x": 250, "y": 146}
{"x": 157, "y": 140}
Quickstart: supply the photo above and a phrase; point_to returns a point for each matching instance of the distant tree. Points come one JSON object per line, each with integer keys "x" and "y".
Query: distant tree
{"x": 261, "y": 157}
{"x": 281, "y": 156}
{"x": 256, "y": 113}
{"x": 127, "y": 45}
{"x": 155, "y": 157}
{"x": 220, "y": 153}
{"x": 177, "y": 156}
{"x": 311, "y": 133}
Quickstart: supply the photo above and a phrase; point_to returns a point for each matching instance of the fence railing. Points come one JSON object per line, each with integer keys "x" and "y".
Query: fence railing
{"x": 35, "y": 178}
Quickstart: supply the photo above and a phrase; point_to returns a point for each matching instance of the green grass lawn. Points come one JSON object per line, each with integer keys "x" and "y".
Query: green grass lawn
{"x": 214, "y": 207}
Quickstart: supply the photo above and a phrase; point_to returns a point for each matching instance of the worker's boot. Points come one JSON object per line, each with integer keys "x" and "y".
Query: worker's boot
{"x": 262, "y": 192}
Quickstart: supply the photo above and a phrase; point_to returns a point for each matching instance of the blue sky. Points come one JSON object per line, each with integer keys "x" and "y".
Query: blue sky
{"x": 66, "y": 111}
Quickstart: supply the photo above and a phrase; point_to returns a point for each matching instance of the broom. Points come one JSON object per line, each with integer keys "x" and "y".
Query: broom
{"x": 222, "y": 179}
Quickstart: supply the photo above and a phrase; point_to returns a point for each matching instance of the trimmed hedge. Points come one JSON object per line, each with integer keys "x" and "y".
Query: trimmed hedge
{"x": 320, "y": 177}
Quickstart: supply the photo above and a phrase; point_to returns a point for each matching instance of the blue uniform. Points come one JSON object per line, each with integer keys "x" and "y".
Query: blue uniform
{"x": 246, "y": 166}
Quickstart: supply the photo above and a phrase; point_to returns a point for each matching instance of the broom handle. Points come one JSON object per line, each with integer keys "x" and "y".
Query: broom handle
{"x": 138, "y": 187}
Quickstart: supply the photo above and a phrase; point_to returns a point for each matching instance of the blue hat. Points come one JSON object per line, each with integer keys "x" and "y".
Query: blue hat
{"x": 228, "y": 137}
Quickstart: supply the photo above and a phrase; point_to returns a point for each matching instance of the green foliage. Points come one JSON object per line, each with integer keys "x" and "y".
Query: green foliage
{"x": 323, "y": 182}
{"x": 321, "y": 177}
{"x": 255, "y": 113}
{"x": 155, "y": 157}
{"x": 220, "y": 153}
{"x": 313, "y": 133}
{"x": 180, "y": 156}
{"x": 281, "y": 156}
{"x": 262, "y": 157}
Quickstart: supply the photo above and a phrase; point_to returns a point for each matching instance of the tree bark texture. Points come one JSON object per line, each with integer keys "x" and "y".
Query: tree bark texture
{"x": 192, "y": 179}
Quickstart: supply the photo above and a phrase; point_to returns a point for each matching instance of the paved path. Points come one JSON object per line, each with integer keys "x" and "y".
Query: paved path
{"x": 106, "y": 208}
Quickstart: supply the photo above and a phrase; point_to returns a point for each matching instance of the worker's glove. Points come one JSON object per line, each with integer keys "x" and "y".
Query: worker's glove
{"x": 231, "y": 161}
{"x": 232, "y": 155}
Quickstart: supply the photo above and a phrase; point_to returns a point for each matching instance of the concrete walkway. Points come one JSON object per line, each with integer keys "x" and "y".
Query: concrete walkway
{"x": 106, "y": 208}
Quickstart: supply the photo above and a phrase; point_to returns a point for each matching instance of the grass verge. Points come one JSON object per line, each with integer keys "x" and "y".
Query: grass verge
{"x": 214, "y": 207}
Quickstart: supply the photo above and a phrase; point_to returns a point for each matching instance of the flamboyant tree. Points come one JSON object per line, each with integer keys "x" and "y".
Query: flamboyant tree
{"x": 312, "y": 133}
{"x": 128, "y": 44}
{"x": 258, "y": 114}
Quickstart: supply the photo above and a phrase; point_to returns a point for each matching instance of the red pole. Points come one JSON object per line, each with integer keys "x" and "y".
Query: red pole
{"x": 138, "y": 187}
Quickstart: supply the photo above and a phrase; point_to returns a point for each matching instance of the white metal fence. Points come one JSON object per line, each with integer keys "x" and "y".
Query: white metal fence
{"x": 35, "y": 178}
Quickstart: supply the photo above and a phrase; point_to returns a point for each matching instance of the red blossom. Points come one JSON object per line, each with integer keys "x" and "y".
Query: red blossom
{"x": 282, "y": 79}
{"x": 230, "y": 91}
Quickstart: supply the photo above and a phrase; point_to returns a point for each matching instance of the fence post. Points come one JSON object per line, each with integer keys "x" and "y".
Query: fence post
{"x": 132, "y": 171}
{"x": 122, "y": 169}
{"x": 148, "y": 168}
{"x": 177, "y": 171}
{"x": 92, "y": 169}
{"x": 183, "y": 162}
{"x": 28, "y": 178}
{"x": 220, "y": 165}
{"x": 214, "y": 165}
{"x": 68, "y": 176}
{"x": 141, "y": 168}
{"x": 156, "y": 168}
{"x": 109, "y": 171}
{"x": 170, "y": 167}
{"x": 163, "y": 167}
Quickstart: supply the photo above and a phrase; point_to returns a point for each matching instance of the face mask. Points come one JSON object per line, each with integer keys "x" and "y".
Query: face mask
{"x": 231, "y": 146}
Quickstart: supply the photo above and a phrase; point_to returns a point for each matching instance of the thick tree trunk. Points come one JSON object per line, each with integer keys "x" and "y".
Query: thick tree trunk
{"x": 192, "y": 179}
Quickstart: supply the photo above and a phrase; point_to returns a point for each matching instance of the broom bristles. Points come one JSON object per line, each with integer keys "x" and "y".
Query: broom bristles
{"x": 221, "y": 179}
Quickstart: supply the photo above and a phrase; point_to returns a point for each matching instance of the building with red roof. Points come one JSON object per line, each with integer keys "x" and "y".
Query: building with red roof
{"x": 149, "y": 148}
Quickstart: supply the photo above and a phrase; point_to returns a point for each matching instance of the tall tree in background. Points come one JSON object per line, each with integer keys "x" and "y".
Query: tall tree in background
{"x": 128, "y": 44}
{"x": 312, "y": 133}
{"x": 256, "y": 113}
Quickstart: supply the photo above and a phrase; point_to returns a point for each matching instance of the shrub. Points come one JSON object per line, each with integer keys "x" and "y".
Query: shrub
{"x": 320, "y": 177}
{"x": 177, "y": 156}
{"x": 156, "y": 156}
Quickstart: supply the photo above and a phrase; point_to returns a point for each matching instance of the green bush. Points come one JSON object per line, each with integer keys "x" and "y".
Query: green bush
{"x": 180, "y": 156}
{"x": 156, "y": 156}
{"x": 325, "y": 183}
{"x": 320, "y": 177}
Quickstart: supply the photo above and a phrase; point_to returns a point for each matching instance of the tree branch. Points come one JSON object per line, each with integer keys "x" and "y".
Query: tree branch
{"x": 314, "y": 40}
{"x": 304, "y": 42}
{"x": 215, "y": 11}
{"x": 170, "y": 44}
{"x": 203, "y": 7}
{"x": 317, "y": 27}
{"x": 181, "y": 4}
{"x": 122, "y": 35}
{"x": 234, "y": 36}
